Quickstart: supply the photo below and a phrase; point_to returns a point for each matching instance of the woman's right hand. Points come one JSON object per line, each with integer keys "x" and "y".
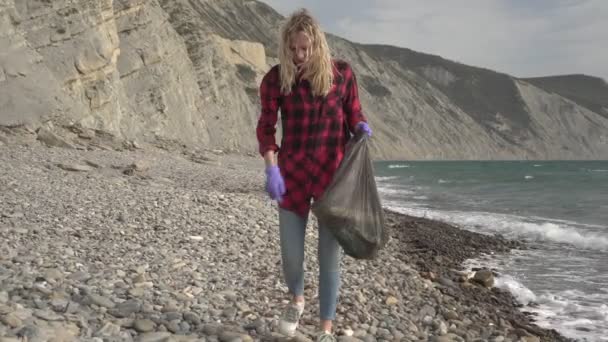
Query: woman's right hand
{"x": 275, "y": 185}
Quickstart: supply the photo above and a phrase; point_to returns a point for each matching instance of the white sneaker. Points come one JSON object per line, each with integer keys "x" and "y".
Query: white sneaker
{"x": 326, "y": 337}
{"x": 290, "y": 318}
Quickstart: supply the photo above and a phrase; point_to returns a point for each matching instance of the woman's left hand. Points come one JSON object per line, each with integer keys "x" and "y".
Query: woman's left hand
{"x": 364, "y": 127}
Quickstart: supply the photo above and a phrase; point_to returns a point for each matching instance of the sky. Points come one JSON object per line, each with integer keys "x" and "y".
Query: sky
{"x": 523, "y": 38}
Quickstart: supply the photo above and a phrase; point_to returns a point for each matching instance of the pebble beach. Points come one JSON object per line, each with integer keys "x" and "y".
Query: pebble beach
{"x": 164, "y": 243}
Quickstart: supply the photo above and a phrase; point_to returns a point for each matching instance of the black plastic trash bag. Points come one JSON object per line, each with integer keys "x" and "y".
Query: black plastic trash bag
{"x": 350, "y": 206}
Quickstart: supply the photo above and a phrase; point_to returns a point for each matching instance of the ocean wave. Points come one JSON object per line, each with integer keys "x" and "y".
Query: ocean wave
{"x": 444, "y": 181}
{"x": 570, "y": 315}
{"x": 563, "y": 310}
{"x": 515, "y": 227}
{"x": 387, "y": 178}
{"x": 529, "y": 177}
{"x": 599, "y": 170}
{"x": 567, "y": 222}
{"x": 398, "y": 166}
{"x": 568, "y": 235}
{"x": 390, "y": 190}
{"x": 522, "y": 294}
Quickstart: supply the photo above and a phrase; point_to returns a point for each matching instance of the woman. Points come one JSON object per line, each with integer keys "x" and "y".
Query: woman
{"x": 320, "y": 108}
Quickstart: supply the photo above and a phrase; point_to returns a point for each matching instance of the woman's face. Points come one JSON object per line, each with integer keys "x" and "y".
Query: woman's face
{"x": 301, "y": 47}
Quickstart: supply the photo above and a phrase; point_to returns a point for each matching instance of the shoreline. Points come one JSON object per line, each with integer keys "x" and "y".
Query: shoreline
{"x": 148, "y": 244}
{"x": 440, "y": 257}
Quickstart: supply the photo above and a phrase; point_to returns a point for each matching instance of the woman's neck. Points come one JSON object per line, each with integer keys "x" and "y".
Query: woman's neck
{"x": 300, "y": 72}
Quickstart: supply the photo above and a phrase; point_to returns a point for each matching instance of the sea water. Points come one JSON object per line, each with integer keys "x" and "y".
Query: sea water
{"x": 559, "y": 207}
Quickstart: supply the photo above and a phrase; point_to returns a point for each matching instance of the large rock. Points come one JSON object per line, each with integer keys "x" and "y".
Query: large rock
{"x": 484, "y": 277}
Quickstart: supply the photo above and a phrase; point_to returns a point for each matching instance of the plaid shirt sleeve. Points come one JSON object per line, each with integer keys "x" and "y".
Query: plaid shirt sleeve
{"x": 269, "y": 97}
{"x": 352, "y": 105}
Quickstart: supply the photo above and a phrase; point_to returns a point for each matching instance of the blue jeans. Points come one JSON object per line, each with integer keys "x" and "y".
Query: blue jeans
{"x": 292, "y": 231}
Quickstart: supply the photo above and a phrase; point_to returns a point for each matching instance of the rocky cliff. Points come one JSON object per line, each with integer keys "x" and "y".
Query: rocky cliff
{"x": 189, "y": 70}
{"x": 117, "y": 66}
{"x": 589, "y": 92}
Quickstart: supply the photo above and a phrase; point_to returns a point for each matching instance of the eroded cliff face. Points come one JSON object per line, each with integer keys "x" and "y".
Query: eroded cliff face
{"x": 28, "y": 88}
{"x": 116, "y": 66}
{"x": 224, "y": 40}
{"x": 564, "y": 129}
{"x": 189, "y": 71}
{"x": 156, "y": 75}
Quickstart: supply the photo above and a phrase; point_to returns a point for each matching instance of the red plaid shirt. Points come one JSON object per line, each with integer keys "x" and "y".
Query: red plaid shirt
{"x": 315, "y": 131}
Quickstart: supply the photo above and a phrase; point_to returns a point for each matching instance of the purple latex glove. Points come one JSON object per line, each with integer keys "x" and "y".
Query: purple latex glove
{"x": 275, "y": 185}
{"x": 364, "y": 127}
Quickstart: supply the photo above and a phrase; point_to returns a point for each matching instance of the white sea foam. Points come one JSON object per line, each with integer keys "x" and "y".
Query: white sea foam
{"x": 565, "y": 311}
{"x": 566, "y": 222}
{"x": 523, "y": 294}
{"x": 515, "y": 227}
{"x": 398, "y": 166}
{"x": 393, "y": 190}
{"x": 387, "y": 178}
